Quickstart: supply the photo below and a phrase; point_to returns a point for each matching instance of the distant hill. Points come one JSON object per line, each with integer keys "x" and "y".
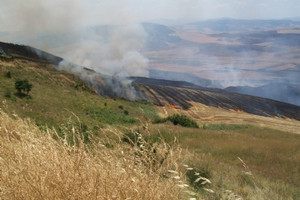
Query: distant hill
{"x": 177, "y": 76}
{"x": 181, "y": 94}
{"x": 229, "y": 25}
{"x": 289, "y": 93}
{"x": 159, "y": 36}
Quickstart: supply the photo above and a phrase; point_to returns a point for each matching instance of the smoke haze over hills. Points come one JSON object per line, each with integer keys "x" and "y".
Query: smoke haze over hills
{"x": 108, "y": 37}
{"x": 40, "y": 23}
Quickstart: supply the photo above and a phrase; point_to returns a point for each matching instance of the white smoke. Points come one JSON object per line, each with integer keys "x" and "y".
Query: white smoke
{"x": 116, "y": 54}
{"x": 64, "y": 28}
{"x": 32, "y": 17}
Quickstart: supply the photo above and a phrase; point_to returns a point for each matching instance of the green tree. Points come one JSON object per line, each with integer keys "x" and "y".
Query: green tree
{"x": 27, "y": 86}
{"x": 7, "y": 93}
{"x": 23, "y": 86}
{"x": 178, "y": 120}
{"x": 126, "y": 112}
{"x": 19, "y": 85}
{"x": 7, "y": 74}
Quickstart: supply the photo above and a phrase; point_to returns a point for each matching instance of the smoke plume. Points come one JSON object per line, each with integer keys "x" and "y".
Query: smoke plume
{"x": 103, "y": 36}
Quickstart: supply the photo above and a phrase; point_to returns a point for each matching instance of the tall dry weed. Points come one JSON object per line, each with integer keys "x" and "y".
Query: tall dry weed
{"x": 33, "y": 165}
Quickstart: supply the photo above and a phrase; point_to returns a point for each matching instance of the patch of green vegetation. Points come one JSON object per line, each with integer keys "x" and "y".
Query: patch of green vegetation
{"x": 23, "y": 86}
{"x": 160, "y": 136}
{"x": 131, "y": 137}
{"x": 110, "y": 116}
{"x": 7, "y": 93}
{"x": 159, "y": 120}
{"x": 126, "y": 112}
{"x": 108, "y": 145}
{"x": 72, "y": 132}
{"x": 7, "y": 74}
{"x": 178, "y": 120}
{"x": 225, "y": 127}
{"x": 246, "y": 180}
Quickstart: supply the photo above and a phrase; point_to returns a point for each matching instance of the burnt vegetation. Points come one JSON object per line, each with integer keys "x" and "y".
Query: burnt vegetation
{"x": 181, "y": 96}
{"x": 9, "y": 52}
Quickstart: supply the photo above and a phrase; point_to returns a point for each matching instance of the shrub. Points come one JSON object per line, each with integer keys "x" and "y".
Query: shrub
{"x": 84, "y": 131}
{"x": 110, "y": 116}
{"x": 161, "y": 136}
{"x": 130, "y": 137}
{"x": 7, "y": 74}
{"x": 108, "y": 145}
{"x": 121, "y": 107}
{"x": 183, "y": 121}
{"x": 178, "y": 120}
{"x": 225, "y": 127}
{"x": 23, "y": 86}
{"x": 126, "y": 112}
{"x": 159, "y": 120}
{"x": 7, "y": 94}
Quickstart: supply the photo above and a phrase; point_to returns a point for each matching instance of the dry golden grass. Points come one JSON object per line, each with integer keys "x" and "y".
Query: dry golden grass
{"x": 33, "y": 165}
{"x": 269, "y": 146}
{"x": 210, "y": 115}
{"x": 232, "y": 182}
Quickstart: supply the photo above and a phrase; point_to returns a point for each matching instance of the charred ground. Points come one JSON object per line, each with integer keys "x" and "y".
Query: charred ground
{"x": 181, "y": 94}
{"x": 28, "y": 53}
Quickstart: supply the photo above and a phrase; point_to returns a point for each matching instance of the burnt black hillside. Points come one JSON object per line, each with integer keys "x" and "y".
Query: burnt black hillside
{"x": 28, "y": 53}
{"x": 181, "y": 94}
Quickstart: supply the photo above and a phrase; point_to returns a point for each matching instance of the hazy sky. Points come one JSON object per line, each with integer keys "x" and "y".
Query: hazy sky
{"x": 21, "y": 14}
{"x": 204, "y": 9}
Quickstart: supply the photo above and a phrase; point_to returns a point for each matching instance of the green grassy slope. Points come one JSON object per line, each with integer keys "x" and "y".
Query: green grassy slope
{"x": 56, "y": 96}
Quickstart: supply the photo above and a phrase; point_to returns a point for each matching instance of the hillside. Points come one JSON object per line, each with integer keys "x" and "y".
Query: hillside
{"x": 92, "y": 131}
{"x": 289, "y": 93}
{"x": 181, "y": 94}
{"x": 28, "y": 53}
{"x": 227, "y": 52}
{"x": 58, "y": 96}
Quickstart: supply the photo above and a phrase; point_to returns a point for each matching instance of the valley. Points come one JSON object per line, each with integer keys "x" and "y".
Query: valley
{"x": 262, "y": 54}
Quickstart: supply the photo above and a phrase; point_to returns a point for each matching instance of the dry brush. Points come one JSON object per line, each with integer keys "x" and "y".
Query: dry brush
{"x": 34, "y": 165}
